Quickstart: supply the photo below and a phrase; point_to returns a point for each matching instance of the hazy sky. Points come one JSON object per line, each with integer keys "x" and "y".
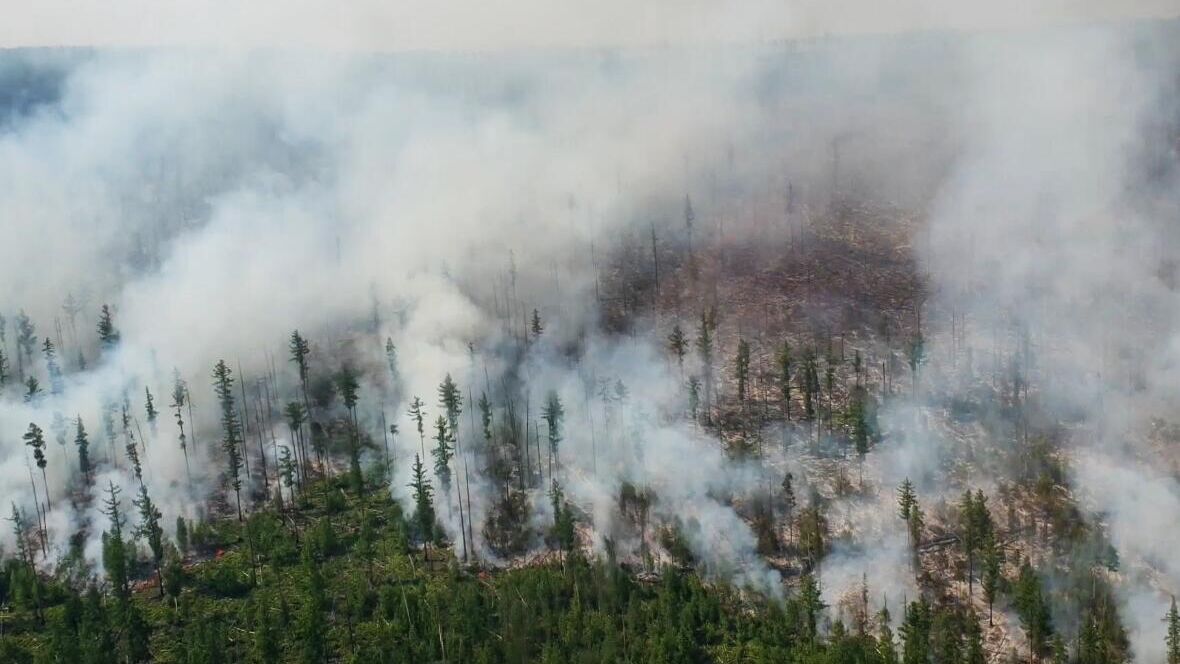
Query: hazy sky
{"x": 466, "y": 24}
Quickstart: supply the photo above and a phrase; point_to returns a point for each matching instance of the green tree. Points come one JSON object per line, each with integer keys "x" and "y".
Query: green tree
{"x": 231, "y": 436}
{"x": 554, "y": 414}
{"x": 742, "y": 369}
{"x": 423, "y": 502}
{"x": 82, "y": 441}
{"x": 108, "y": 336}
{"x": 705, "y": 348}
{"x": 56, "y": 385}
{"x": 35, "y": 438}
{"x": 149, "y": 529}
{"x": 1031, "y": 606}
{"x": 784, "y": 377}
{"x": 1172, "y": 639}
{"x": 678, "y": 344}
{"x": 906, "y": 499}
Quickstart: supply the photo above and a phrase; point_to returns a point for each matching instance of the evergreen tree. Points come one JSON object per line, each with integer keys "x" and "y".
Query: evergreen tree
{"x": 149, "y": 405}
{"x": 812, "y": 605}
{"x": 35, "y": 438}
{"x": 26, "y": 343}
{"x": 348, "y": 386}
{"x": 1172, "y": 639}
{"x": 311, "y": 627}
{"x": 182, "y": 537}
{"x": 742, "y": 369}
{"x": 886, "y": 648}
{"x": 694, "y": 396}
{"x": 1029, "y": 600}
{"x": 784, "y": 377}
{"x": 705, "y": 348}
{"x": 391, "y": 361}
{"x": 678, "y": 344}
{"x": 915, "y": 633}
{"x": 442, "y": 453}
{"x": 991, "y": 558}
{"x": 417, "y": 414}
{"x": 108, "y": 336}
{"x": 906, "y": 499}
{"x": 554, "y": 414}
{"x": 149, "y": 529}
{"x": 973, "y": 652}
{"x": 83, "y": 443}
{"x": 56, "y": 385}
{"x": 231, "y": 441}
{"x": 535, "y": 325}
{"x": 423, "y": 502}
{"x": 115, "y": 556}
{"x": 32, "y": 390}
{"x": 179, "y": 396}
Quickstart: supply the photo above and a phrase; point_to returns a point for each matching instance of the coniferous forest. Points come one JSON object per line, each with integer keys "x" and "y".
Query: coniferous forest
{"x": 847, "y": 345}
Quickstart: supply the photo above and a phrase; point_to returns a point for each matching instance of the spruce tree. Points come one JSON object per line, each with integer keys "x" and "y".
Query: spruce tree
{"x": 742, "y": 369}
{"x": 554, "y": 414}
{"x": 423, "y": 502}
{"x": 1172, "y": 639}
{"x": 705, "y": 348}
{"x": 678, "y": 344}
{"x": 52, "y": 369}
{"x": 82, "y": 441}
{"x": 231, "y": 441}
{"x": 35, "y": 438}
{"x": 108, "y": 336}
{"x": 784, "y": 377}
{"x": 150, "y": 531}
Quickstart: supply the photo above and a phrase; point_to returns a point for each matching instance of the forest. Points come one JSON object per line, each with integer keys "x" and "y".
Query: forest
{"x": 594, "y": 356}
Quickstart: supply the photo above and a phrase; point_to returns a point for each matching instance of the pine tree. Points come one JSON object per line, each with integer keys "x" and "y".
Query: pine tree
{"x": 1172, "y": 640}
{"x": 311, "y": 627}
{"x": 4, "y": 368}
{"x": 423, "y": 502}
{"x": 1029, "y": 599}
{"x": 990, "y": 559}
{"x": 182, "y": 538}
{"x": 56, "y": 385}
{"x": 742, "y": 369}
{"x": 554, "y": 414}
{"x": 32, "y": 390}
{"x": 26, "y": 342}
{"x": 443, "y": 452}
{"x": 179, "y": 396}
{"x": 35, "y": 438}
{"x": 348, "y": 386}
{"x": 149, "y": 404}
{"x": 784, "y": 377}
{"x": 886, "y": 648}
{"x": 391, "y": 361}
{"x": 906, "y": 499}
{"x": 231, "y": 440}
{"x": 705, "y": 348}
{"x": 973, "y": 652}
{"x": 115, "y": 556}
{"x": 811, "y": 603}
{"x": 108, "y": 336}
{"x": 915, "y": 633}
{"x": 83, "y": 443}
{"x": 149, "y": 529}
{"x": 417, "y": 414}
{"x": 678, "y": 344}
{"x": 694, "y": 396}
{"x": 535, "y": 325}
